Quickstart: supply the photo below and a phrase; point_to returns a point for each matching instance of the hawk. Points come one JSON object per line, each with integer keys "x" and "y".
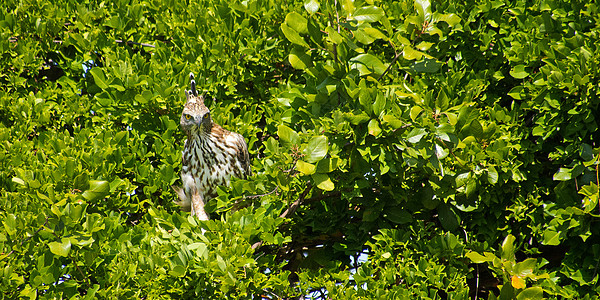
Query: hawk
{"x": 211, "y": 155}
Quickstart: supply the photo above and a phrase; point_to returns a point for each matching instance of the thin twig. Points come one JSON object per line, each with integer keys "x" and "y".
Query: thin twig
{"x": 390, "y": 66}
{"x": 337, "y": 15}
{"x": 597, "y": 177}
{"x": 262, "y": 195}
{"x": 476, "y": 282}
{"x": 451, "y": 152}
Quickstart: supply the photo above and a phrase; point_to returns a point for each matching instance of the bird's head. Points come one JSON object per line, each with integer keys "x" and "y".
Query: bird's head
{"x": 195, "y": 118}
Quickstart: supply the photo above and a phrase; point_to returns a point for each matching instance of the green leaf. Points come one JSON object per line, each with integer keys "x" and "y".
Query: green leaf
{"x": 375, "y": 33}
{"x": 414, "y": 112}
{"x": 448, "y": 217}
{"x": 517, "y": 92}
{"x": 368, "y": 14}
{"x": 411, "y": 54}
{"x": 98, "y": 189}
{"x": 10, "y": 224}
{"x": 508, "y": 248}
{"x": 334, "y": 36}
{"x": 379, "y": 105}
{"x": 299, "y": 59}
{"x": 532, "y": 293}
{"x": 525, "y": 267}
{"x": 393, "y": 121}
{"x": 424, "y": 46}
{"x": 99, "y": 78}
{"x": 316, "y": 149}
{"x": 144, "y": 97}
{"x": 519, "y": 72}
{"x": 478, "y": 258}
{"x": 423, "y": 8}
{"x": 367, "y": 64}
{"x": 288, "y": 135}
{"x": 398, "y": 215}
{"x": 476, "y": 129}
{"x": 451, "y": 19}
{"x": 492, "y": 175}
{"x": 551, "y": 238}
{"x": 415, "y": 135}
{"x": 305, "y": 168}
{"x": 311, "y": 6}
{"x": 323, "y": 181}
{"x": 297, "y": 22}
{"x": 563, "y": 174}
{"x": 178, "y": 271}
{"x": 293, "y": 36}
{"x": 356, "y": 119}
{"x": 61, "y": 249}
{"x": 374, "y": 128}
{"x": 427, "y": 65}
{"x": 327, "y": 165}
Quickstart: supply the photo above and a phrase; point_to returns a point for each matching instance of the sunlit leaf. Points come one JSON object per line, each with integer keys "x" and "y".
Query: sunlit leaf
{"x": 297, "y": 22}
{"x": 292, "y": 35}
{"x": 299, "y": 59}
{"x": 532, "y": 293}
{"x": 323, "y": 182}
{"x": 99, "y": 78}
{"x": 563, "y": 174}
{"x": 288, "y": 135}
{"x": 508, "y": 248}
{"x": 316, "y": 149}
{"x": 367, "y": 64}
{"x": 519, "y": 72}
{"x": 517, "y": 282}
{"x": 60, "y": 248}
{"x": 368, "y": 14}
{"x": 305, "y": 168}
{"x": 374, "y": 128}
{"x": 98, "y": 189}
{"x": 312, "y": 6}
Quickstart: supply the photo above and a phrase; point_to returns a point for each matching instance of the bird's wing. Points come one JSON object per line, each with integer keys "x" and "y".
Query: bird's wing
{"x": 242, "y": 152}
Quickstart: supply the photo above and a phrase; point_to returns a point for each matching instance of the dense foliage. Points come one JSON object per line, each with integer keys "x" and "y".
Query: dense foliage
{"x": 401, "y": 149}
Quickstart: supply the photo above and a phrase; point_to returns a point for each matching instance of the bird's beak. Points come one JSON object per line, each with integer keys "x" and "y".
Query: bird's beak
{"x": 203, "y": 121}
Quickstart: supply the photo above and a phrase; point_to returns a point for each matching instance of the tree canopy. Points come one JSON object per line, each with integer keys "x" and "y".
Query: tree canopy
{"x": 407, "y": 149}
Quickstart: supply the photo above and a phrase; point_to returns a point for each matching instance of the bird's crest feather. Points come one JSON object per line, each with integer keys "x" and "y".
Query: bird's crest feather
{"x": 192, "y": 94}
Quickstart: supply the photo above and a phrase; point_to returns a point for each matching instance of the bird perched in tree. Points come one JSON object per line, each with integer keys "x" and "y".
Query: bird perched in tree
{"x": 211, "y": 155}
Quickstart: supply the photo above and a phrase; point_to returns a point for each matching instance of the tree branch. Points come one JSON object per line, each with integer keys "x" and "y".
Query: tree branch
{"x": 390, "y": 66}
{"x": 262, "y": 195}
{"x": 289, "y": 211}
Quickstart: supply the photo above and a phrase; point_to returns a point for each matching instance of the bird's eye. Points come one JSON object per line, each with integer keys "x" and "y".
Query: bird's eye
{"x": 187, "y": 117}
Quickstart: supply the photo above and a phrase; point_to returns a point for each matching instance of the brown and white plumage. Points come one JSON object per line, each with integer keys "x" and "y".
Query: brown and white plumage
{"x": 211, "y": 155}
